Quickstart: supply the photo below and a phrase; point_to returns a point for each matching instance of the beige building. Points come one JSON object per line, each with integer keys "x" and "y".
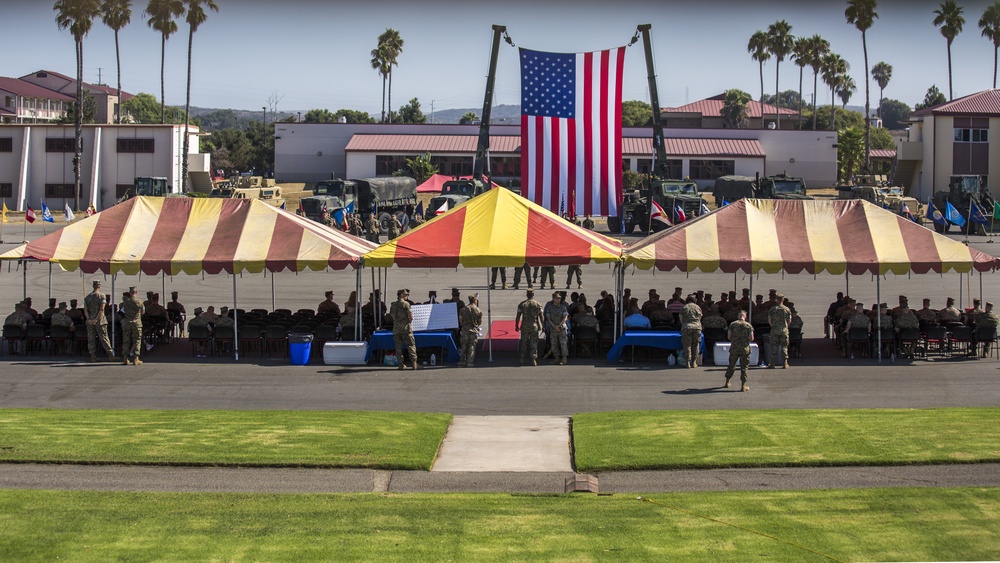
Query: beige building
{"x": 44, "y": 96}
{"x": 950, "y": 139}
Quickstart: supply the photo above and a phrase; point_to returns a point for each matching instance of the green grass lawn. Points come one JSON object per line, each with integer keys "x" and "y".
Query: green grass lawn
{"x": 846, "y": 525}
{"x": 628, "y": 440}
{"x": 387, "y": 440}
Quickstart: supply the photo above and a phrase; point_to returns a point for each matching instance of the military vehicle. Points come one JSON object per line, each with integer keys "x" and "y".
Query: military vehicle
{"x": 386, "y": 196}
{"x": 454, "y": 192}
{"x": 962, "y": 191}
{"x": 270, "y": 195}
{"x": 151, "y": 186}
{"x": 668, "y": 193}
{"x": 779, "y": 186}
{"x": 876, "y": 190}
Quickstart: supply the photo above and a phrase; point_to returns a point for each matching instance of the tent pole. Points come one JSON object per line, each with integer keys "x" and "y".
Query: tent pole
{"x": 750, "y": 312}
{"x": 236, "y": 322}
{"x": 489, "y": 313}
{"x": 981, "y": 288}
{"x": 272, "y": 290}
{"x": 24, "y": 280}
{"x": 357, "y": 304}
{"x": 50, "y": 280}
{"x": 114, "y": 315}
{"x": 878, "y": 315}
{"x": 374, "y": 304}
{"x": 163, "y": 285}
{"x": 847, "y": 282}
{"x": 961, "y": 294}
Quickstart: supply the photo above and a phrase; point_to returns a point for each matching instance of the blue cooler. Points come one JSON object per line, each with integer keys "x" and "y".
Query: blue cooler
{"x": 299, "y": 348}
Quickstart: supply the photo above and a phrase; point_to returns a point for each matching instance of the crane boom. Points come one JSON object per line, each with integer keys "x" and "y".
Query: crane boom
{"x": 660, "y": 165}
{"x": 483, "y": 146}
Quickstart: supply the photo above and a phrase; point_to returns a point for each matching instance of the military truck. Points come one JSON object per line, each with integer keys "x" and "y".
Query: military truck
{"x": 269, "y": 195}
{"x": 891, "y": 198}
{"x": 779, "y": 186}
{"x": 386, "y": 196}
{"x": 669, "y": 194}
{"x": 454, "y": 192}
{"x": 962, "y": 191}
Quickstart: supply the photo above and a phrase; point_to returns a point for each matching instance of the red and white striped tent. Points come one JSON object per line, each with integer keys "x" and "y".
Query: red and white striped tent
{"x": 754, "y": 235}
{"x": 194, "y": 235}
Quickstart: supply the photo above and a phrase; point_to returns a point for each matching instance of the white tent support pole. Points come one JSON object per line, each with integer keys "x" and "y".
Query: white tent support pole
{"x": 163, "y": 285}
{"x": 878, "y": 315}
{"x": 272, "y": 289}
{"x": 374, "y": 304}
{"x": 489, "y": 313}
{"x": 961, "y": 293}
{"x": 114, "y": 315}
{"x": 981, "y": 288}
{"x": 847, "y": 282}
{"x": 236, "y": 322}
{"x": 750, "y": 312}
{"x": 24, "y": 280}
{"x": 968, "y": 289}
{"x": 50, "y": 280}
{"x": 357, "y": 304}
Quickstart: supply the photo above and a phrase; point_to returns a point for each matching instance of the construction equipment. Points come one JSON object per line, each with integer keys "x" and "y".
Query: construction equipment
{"x": 670, "y": 194}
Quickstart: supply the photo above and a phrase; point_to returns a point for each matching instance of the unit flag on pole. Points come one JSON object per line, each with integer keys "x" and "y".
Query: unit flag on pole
{"x": 571, "y": 148}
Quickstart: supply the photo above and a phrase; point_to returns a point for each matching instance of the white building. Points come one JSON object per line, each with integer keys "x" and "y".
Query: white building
{"x": 36, "y": 162}
{"x": 309, "y": 152}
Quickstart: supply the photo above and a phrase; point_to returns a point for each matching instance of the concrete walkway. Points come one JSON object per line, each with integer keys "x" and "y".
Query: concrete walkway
{"x": 506, "y": 443}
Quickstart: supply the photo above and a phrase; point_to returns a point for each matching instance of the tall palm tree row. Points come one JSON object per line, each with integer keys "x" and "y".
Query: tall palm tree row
{"x": 758, "y": 49}
{"x": 78, "y": 17}
{"x": 780, "y": 43}
{"x": 801, "y": 55}
{"x": 818, "y": 48}
{"x": 391, "y": 45}
{"x": 161, "y": 18}
{"x": 881, "y": 74}
{"x": 834, "y": 71}
{"x": 862, "y": 15}
{"x": 846, "y": 89}
{"x": 949, "y": 18}
{"x": 195, "y": 17}
{"x": 116, "y": 14}
{"x": 990, "y": 24}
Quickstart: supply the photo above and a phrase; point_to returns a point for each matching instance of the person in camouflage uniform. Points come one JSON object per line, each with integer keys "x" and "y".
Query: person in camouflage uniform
{"x": 19, "y": 319}
{"x": 60, "y": 318}
{"x": 469, "y": 321}
{"x": 549, "y": 272}
{"x": 524, "y": 270}
{"x": 740, "y": 336}
{"x": 588, "y": 223}
{"x": 97, "y": 323}
{"x": 395, "y": 227}
{"x": 949, "y": 314}
{"x": 691, "y": 331}
{"x": 555, "y": 320}
{"x": 779, "y": 318}
{"x": 402, "y": 332}
{"x": 988, "y": 320}
{"x": 199, "y": 320}
{"x": 132, "y": 328}
{"x": 372, "y": 228}
{"x": 529, "y": 323}
{"x": 577, "y": 270}
{"x": 858, "y": 320}
{"x": 903, "y": 318}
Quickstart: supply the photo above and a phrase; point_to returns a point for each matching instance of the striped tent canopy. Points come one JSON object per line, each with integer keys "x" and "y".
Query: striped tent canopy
{"x": 194, "y": 235}
{"x": 754, "y": 235}
{"x": 496, "y": 229}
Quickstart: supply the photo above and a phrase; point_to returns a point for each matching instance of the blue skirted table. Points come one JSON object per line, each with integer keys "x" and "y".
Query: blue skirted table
{"x": 667, "y": 340}
{"x": 382, "y": 341}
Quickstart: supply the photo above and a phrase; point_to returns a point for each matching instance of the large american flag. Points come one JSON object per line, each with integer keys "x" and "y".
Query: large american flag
{"x": 571, "y": 149}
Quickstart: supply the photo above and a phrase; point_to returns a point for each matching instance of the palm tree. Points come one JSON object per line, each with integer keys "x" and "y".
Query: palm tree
{"x": 881, "y": 73}
{"x": 846, "y": 89}
{"x": 78, "y": 17}
{"x": 195, "y": 17}
{"x": 990, "y": 24}
{"x": 734, "y": 109}
{"x": 801, "y": 54}
{"x": 380, "y": 65}
{"x": 818, "y": 48}
{"x": 862, "y": 14}
{"x": 949, "y": 19}
{"x": 116, "y": 14}
{"x": 780, "y": 43}
{"x": 392, "y": 45}
{"x": 834, "y": 71}
{"x": 161, "y": 18}
{"x": 757, "y": 47}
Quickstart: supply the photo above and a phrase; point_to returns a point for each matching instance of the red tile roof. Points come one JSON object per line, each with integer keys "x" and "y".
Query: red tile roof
{"x": 108, "y": 90}
{"x": 512, "y": 144}
{"x": 27, "y": 89}
{"x": 712, "y": 107}
{"x": 986, "y": 102}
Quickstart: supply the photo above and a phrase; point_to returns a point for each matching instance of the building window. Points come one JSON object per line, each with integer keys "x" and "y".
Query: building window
{"x": 454, "y": 165}
{"x": 6, "y": 144}
{"x": 64, "y": 191}
{"x": 6, "y": 190}
{"x": 386, "y": 165}
{"x": 122, "y": 189}
{"x": 53, "y": 144}
{"x": 963, "y": 135}
{"x": 505, "y": 166}
{"x": 136, "y": 145}
{"x": 712, "y": 169}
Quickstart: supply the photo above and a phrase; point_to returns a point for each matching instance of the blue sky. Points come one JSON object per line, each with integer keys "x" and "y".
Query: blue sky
{"x": 314, "y": 54}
